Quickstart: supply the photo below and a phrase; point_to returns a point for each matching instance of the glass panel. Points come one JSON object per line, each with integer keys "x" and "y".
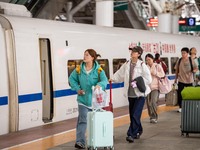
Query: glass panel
{"x": 71, "y": 65}
{"x": 105, "y": 66}
{"x": 117, "y": 63}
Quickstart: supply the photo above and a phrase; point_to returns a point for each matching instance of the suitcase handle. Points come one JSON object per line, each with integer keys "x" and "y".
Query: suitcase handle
{"x": 110, "y": 91}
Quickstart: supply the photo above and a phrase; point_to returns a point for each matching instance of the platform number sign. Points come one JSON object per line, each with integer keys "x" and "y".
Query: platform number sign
{"x": 191, "y": 22}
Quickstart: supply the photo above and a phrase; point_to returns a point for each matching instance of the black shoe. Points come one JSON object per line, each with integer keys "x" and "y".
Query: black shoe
{"x": 129, "y": 139}
{"x": 79, "y": 145}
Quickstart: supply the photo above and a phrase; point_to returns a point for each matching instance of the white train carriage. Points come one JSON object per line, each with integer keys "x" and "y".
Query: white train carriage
{"x": 37, "y": 56}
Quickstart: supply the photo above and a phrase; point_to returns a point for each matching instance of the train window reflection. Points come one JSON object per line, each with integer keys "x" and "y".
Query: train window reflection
{"x": 117, "y": 63}
{"x": 72, "y": 64}
{"x": 173, "y": 64}
{"x": 105, "y": 66}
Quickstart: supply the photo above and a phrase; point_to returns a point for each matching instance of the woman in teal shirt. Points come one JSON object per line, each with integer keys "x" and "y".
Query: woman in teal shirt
{"x": 88, "y": 74}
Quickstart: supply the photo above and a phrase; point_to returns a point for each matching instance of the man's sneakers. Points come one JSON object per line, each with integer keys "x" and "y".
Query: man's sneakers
{"x": 79, "y": 145}
{"x": 138, "y": 135}
{"x": 179, "y": 110}
{"x": 153, "y": 121}
{"x": 129, "y": 139}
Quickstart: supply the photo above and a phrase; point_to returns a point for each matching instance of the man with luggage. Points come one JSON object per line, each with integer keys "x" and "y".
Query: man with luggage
{"x": 185, "y": 68}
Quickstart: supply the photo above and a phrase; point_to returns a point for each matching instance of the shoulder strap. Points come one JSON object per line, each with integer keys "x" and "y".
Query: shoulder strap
{"x": 179, "y": 61}
{"x": 99, "y": 71}
{"x": 199, "y": 63}
{"x": 78, "y": 69}
{"x": 190, "y": 59}
{"x": 127, "y": 61}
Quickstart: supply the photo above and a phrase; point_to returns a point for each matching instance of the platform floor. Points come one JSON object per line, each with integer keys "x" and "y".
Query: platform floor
{"x": 165, "y": 135}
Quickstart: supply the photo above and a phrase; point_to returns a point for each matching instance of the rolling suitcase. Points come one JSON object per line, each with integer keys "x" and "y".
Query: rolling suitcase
{"x": 99, "y": 129}
{"x": 190, "y": 117}
{"x": 190, "y": 114}
{"x": 171, "y": 98}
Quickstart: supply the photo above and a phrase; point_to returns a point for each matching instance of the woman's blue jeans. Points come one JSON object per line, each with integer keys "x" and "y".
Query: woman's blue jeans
{"x": 81, "y": 124}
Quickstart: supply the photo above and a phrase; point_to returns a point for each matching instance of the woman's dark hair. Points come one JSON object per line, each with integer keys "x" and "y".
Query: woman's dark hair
{"x": 93, "y": 53}
{"x": 149, "y": 55}
{"x": 157, "y": 56}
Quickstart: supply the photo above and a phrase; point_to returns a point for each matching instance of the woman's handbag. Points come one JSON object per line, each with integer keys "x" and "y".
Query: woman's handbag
{"x": 164, "y": 85}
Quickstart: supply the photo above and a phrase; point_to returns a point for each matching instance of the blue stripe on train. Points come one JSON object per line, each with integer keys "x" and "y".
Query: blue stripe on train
{"x": 59, "y": 93}
{"x": 4, "y": 100}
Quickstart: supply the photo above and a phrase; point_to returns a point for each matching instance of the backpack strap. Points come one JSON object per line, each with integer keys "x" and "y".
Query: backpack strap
{"x": 99, "y": 71}
{"x": 198, "y": 63}
{"x": 190, "y": 59}
{"x": 78, "y": 69}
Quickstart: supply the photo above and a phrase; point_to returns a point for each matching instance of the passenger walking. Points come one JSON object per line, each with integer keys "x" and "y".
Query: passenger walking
{"x": 81, "y": 80}
{"x": 185, "y": 68}
{"x": 127, "y": 73}
{"x": 158, "y": 60}
{"x": 193, "y": 55}
{"x": 152, "y": 98}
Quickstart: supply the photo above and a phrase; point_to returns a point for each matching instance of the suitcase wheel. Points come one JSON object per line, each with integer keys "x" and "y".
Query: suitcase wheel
{"x": 111, "y": 148}
{"x": 187, "y": 134}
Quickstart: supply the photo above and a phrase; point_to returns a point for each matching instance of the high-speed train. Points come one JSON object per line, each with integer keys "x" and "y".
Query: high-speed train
{"x": 37, "y": 56}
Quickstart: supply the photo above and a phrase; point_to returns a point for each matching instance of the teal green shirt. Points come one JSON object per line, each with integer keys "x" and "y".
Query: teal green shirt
{"x": 85, "y": 81}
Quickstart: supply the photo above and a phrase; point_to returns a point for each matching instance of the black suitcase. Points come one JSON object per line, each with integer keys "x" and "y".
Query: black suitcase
{"x": 190, "y": 117}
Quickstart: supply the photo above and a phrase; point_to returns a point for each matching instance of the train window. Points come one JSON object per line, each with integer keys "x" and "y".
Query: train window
{"x": 117, "y": 63}
{"x": 173, "y": 63}
{"x": 72, "y": 64}
{"x": 165, "y": 59}
{"x": 105, "y": 66}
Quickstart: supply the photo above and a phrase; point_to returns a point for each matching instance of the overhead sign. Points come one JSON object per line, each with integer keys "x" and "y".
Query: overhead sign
{"x": 120, "y": 6}
{"x": 153, "y": 22}
{"x": 191, "y": 21}
{"x": 189, "y": 28}
{"x": 187, "y": 21}
{"x": 182, "y": 21}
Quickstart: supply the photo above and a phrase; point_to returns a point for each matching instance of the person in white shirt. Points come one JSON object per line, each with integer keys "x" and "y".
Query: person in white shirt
{"x": 128, "y": 72}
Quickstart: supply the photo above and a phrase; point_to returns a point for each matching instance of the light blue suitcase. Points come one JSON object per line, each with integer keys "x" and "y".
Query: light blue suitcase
{"x": 100, "y": 129}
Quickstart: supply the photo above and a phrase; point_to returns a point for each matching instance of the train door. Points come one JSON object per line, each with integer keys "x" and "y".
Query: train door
{"x": 47, "y": 82}
{"x": 10, "y": 107}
